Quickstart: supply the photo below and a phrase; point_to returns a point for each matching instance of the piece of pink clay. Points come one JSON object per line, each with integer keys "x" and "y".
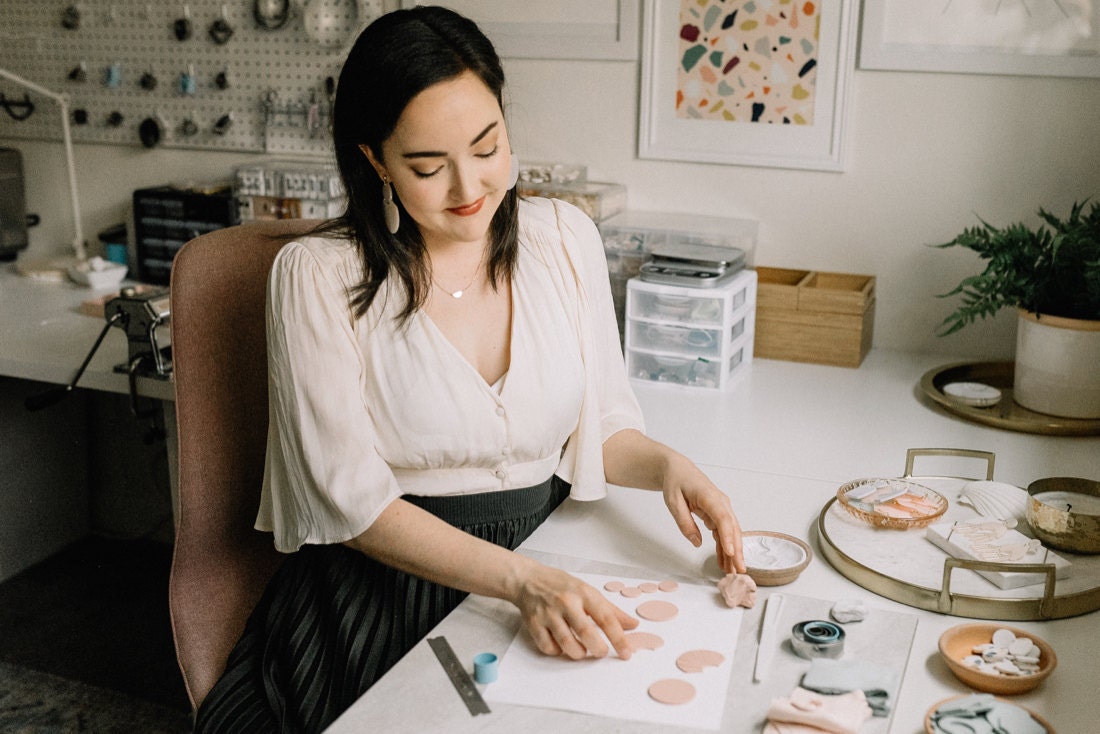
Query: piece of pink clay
{"x": 739, "y": 590}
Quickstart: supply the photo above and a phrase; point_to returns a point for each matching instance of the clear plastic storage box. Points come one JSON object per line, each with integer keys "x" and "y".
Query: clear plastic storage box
{"x": 693, "y": 337}
{"x": 630, "y": 238}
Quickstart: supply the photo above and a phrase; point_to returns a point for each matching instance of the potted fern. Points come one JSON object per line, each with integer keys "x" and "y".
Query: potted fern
{"x": 1051, "y": 275}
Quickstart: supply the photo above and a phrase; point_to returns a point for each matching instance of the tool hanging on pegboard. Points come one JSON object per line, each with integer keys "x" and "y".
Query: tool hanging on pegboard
{"x": 251, "y": 75}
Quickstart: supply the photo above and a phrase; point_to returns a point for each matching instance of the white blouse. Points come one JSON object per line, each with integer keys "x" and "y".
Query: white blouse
{"x": 363, "y": 410}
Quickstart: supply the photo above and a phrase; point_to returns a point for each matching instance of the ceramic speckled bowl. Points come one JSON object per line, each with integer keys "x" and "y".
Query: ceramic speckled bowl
{"x": 774, "y": 559}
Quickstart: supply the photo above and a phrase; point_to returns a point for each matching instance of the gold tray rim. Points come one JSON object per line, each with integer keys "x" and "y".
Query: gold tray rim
{"x": 1007, "y": 414}
{"x": 958, "y": 604}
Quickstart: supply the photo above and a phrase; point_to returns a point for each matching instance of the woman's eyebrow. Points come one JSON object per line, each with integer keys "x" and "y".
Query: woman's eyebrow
{"x": 441, "y": 154}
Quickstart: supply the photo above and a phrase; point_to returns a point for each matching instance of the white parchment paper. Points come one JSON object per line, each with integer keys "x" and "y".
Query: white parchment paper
{"x": 618, "y": 688}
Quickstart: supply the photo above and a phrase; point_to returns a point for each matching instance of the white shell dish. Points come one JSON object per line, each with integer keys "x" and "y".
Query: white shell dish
{"x": 996, "y": 499}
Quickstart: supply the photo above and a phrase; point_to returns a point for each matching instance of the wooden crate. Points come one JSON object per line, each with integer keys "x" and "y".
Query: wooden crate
{"x": 810, "y": 316}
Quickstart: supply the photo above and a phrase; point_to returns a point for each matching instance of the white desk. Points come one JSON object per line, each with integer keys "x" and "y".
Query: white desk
{"x": 779, "y": 443}
{"x": 43, "y": 339}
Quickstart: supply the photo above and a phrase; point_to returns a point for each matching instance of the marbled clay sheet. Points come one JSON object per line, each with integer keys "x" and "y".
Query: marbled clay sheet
{"x": 748, "y": 60}
{"x": 618, "y": 689}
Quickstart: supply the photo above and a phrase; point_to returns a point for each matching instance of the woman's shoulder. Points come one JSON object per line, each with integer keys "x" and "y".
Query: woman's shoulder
{"x": 324, "y": 255}
{"x": 541, "y": 213}
{"x": 553, "y": 228}
{"x": 321, "y": 248}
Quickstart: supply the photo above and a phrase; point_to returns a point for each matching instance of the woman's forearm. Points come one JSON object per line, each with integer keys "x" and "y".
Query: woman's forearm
{"x": 415, "y": 541}
{"x": 564, "y": 615}
{"x": 632, "y": 459}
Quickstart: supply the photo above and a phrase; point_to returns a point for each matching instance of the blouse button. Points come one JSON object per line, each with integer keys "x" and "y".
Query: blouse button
{"x": 500, "y": 474}
{"x": 500, "y": 410}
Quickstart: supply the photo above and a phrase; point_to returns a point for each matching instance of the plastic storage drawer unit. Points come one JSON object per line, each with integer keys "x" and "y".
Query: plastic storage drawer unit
{"x": 693, "y": 337}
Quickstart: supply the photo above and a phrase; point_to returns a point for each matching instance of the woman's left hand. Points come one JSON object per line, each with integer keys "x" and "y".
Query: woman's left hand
{"x": 633, "y": 460}
{"x": 689, "y": 494}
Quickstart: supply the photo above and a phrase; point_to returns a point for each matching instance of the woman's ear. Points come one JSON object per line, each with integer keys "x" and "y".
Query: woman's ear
{"x": 375, "y": 163}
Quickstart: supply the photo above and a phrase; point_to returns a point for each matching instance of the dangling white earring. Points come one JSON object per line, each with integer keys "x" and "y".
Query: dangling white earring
{"x": 389, "y": 209}
{"x": 513, "y": 178}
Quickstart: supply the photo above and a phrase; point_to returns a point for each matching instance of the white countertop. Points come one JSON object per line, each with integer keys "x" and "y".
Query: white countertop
{"x": 45, "y": 337}
{"x": 779, "y": 442}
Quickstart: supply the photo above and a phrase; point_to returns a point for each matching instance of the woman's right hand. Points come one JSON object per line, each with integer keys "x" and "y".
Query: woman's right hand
{"x": 566, "y": 616}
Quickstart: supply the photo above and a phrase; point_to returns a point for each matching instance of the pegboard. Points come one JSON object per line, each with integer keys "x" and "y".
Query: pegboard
{"x": 278, "y": 82}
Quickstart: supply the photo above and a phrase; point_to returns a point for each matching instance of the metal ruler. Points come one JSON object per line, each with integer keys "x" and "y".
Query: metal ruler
{"x": 461, "y": 679}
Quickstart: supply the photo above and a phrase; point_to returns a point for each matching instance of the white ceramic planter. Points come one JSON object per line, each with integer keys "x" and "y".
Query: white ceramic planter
{"x": 1058, "y": 366}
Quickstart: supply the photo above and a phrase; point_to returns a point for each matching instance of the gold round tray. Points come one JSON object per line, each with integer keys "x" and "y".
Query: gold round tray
{"x": 902, "y": 565}
{"x": 1007, "y": 414}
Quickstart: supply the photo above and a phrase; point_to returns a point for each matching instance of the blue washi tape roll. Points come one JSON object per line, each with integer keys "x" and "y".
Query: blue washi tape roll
{"x": 817, "y": 638}
{"x": 485, "y": 667}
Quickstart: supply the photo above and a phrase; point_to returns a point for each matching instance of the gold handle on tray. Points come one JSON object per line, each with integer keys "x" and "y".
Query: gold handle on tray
{"x": 987, "y": 456}
{"x": 946, "y": 601}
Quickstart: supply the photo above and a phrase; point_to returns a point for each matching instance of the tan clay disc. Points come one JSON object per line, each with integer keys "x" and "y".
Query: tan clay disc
{"x": 695, "y": 660}
{"x": 631, "y": 591}
{"x": 668, "y": 585}
{"x": 614, "y": 586}
{"x": 644, "y": 640}
{"x": 672, "y": 691}
{"x": 648, "y": 587}
{"x": 657, "y": 611}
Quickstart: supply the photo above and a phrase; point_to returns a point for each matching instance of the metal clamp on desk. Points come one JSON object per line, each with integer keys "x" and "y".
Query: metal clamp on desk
{"x": 141, "y": 314}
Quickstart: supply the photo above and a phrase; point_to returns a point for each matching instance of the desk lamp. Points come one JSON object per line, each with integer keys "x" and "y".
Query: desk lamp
{"x": 55, "y": 268}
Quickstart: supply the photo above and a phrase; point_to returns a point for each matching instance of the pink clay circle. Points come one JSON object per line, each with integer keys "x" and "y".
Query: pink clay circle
{"x": 644, "y": 640}
{"x": 614, "y": 586}
{"x": 657, "y": 611}
{"x": 672, "y": 691}
{"x": 694, "y": 661}
{"x": 668, "y": 585}
{"x": 648, "y": 587}
{"x": 631, "y": 591}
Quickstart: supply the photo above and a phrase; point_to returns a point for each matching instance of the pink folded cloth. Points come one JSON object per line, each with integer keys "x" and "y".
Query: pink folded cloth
{"x": 843, "y": 714}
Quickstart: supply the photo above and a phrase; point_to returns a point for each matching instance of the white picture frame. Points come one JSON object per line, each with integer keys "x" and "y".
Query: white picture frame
{"x": 600, "y": 30}
{"x": 1015, "y": 37}
{"x": 819, "y": 146}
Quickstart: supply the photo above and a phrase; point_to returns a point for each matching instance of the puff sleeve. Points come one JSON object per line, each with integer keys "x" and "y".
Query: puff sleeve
{"x": 324, "y": 481}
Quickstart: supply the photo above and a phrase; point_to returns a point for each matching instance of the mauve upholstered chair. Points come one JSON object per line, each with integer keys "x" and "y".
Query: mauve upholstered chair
{"x": 220, "y": 563}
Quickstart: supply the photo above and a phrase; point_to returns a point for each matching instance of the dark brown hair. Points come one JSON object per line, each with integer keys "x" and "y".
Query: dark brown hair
{"x": 395, "y": 58}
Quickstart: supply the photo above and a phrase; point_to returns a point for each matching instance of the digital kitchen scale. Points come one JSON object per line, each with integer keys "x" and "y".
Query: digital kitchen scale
{"x": 698, "y": 266}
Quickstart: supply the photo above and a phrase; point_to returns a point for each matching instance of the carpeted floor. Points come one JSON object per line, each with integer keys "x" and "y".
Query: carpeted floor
{"x": 32, "y": 702}
{"x": 86, "y": 645}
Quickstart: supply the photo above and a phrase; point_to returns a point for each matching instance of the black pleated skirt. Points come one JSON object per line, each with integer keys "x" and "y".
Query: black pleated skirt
{"x": 332, "y": 621}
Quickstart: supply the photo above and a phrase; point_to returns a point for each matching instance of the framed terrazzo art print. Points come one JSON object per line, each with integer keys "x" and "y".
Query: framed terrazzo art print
{"x": 1021, "y": 37}
{"x": 746, "y": 82}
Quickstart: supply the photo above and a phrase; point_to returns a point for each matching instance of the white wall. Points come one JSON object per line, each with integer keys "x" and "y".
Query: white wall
{"x": 927, "y": 153}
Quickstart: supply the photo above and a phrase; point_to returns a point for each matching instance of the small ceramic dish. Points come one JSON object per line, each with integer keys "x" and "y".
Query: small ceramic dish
{"x": 960, "y": 641}
{"x": 774, "y": 559}
{"x": 1064, "y": 513}
{"x": 1022, "y": 711}
{"x": 891, "y": 503}
{"x": 97, "y": 273}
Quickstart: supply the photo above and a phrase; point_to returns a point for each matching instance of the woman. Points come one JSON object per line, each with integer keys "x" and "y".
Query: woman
{"x": 444, "y": 370}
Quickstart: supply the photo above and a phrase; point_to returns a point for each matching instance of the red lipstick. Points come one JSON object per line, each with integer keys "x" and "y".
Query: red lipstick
{"x": 468, "y": 210}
